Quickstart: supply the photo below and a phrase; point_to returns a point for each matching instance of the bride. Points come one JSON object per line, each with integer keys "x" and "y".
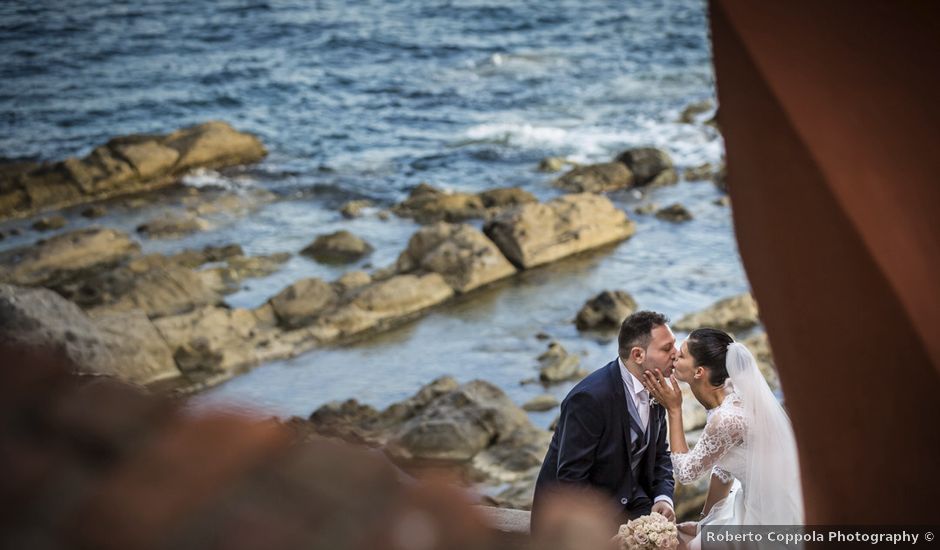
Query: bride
{"x": 747, "y": 444}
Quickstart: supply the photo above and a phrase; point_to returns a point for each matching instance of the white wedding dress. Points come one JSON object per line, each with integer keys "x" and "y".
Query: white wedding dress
{"x": 747, "y": 440}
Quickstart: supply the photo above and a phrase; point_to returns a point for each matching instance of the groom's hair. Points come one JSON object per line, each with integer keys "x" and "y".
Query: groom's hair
{"x": 636, "y": 331}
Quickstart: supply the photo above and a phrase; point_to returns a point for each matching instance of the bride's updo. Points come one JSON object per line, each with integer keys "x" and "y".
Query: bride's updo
{"x": 709, "y": 347}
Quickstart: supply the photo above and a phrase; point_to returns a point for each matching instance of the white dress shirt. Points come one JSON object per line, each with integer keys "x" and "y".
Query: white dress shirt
{"x": 640, "y": 398}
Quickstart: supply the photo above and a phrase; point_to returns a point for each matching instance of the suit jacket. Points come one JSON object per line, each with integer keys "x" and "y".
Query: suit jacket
{"x": 591, "y": 446}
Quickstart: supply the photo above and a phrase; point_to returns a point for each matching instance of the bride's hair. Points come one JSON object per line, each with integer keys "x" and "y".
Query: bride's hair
{"x": 709, "y": 348}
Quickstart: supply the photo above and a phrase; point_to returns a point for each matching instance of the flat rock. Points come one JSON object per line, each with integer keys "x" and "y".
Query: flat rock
{"x": 428, "y": 204}
{"x": 339, "y": 247}
{"x": 172, "y": 225}
{"x": 66, "y": 256}
{"x": 734, "y": 314}
{"x": 539, "y": 403}
{"x": 460, "y": 253}
{"x": 596, "y": 178}
{"x": 535, "y": 234}
{"x": 124, "y": 165}
{"x": 607, "y": 310}
{"x": 125, "y": 346}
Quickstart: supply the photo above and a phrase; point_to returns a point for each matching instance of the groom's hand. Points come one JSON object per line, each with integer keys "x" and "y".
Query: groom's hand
{"x": 663, "y": 507}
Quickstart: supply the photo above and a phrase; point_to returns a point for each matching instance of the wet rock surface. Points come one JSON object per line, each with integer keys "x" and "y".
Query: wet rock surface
{"x": 674, "y": 213}
{"x": 428, "y": 204}
{"x": 734, "y": 314}
{"x": 596, "y": 178}
{"x": 340, "y": 247}
{"x": 649, "y": 166}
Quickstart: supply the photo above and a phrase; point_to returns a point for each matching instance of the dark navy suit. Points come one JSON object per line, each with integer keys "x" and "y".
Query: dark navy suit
{"x": 592, "y": 446}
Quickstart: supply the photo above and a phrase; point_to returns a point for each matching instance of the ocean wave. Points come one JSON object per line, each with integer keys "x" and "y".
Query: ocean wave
{"x": 689, "y": 145}
{"x": 202, "y": 178}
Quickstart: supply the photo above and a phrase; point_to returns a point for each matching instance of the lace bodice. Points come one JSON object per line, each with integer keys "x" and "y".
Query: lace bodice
{"x": 720, "y": 449}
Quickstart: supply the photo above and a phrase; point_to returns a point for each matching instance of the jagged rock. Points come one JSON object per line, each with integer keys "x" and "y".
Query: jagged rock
{"x": 383, "y": 303}
{"x": 174, "y": 225}
{"x": 124, "y": 165}
{"x": 596, "y": 178}
{"x": 534, "y": 234}
{"x": 50, "y": 223}
{"x": 674, "y": 213}
{"x": 734, "y": 314}
{"x": 301, "y": 303}
{"x": 607, "y": 310}
{"x": 353, "y": 209}
{"x": 67, "y": 256}
{"x": 351, "y": 281}
{"x": 460, "y": 253}
{"x": 544, "y": 402}
{"x": 557, "y": 365}
{"x": 338, "y": 247}
{"x": 691, "y": 112}
{"x": 126, "y": 346}
{"x": 650, "y": 166}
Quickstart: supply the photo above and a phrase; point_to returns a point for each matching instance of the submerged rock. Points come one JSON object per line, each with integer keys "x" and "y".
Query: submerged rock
{"x": 50, "y": 223}
{"x": 460, "y": 253}
{"x": 539, "y": 403}
{"x": 339, "y": 247}
{"x": 650, "y": 166}
{"x": 734, "y": 314}
{"x": 674, "y": 213}
{"x": 353, "y": 209}
{"x": 536, "y": 234}
{"x": 124, "y": 165}
{"x": 693, "y": 110}
{"x": 172, "y": 225}
{"x": 596, "y": 178}
{"x": 607, "y": 310}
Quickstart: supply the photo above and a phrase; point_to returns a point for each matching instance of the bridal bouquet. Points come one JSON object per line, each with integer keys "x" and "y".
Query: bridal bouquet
{"x": 650, "y": 532}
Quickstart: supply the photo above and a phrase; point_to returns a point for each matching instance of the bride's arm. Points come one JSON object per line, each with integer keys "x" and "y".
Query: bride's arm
{"x": 717, "y": 490}
{"x": 668, "y": 393}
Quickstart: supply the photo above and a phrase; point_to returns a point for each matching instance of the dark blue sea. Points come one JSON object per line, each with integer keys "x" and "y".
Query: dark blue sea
{"x": 367, "y": 99}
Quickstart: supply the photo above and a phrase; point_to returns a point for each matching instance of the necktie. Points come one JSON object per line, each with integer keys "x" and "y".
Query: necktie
{"x": 644, "y": 408}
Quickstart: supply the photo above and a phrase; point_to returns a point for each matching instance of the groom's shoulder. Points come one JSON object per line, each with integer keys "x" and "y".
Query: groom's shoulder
{"x": 598, "y": 382}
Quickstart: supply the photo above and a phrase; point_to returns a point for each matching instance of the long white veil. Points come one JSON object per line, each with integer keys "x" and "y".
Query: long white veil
{"x": 772, "y": 491}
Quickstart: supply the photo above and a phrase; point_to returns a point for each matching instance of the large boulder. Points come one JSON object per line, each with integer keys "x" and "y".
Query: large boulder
{"x": 607, "y": 310}
{"x": 126, "y": 346}
{"x": 760, "y": 348}
{"x": 339, "y": 247}
{"x": 596, "y": 178}
{"x": 460, "y": 253}
{"x": 536, "y": 234}
{"x": 66, "y": 257}
{"x": 734, "y": 314}
{"x": 383, "y": 303}
{"x": 650, "y": 166}
{"x": 124, "y": 165}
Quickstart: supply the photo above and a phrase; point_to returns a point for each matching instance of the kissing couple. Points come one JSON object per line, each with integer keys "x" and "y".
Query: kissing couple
{"x": 612, "y": 432}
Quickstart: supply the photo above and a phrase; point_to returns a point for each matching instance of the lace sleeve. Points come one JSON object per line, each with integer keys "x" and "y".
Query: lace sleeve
{"x": 721, "y": 433}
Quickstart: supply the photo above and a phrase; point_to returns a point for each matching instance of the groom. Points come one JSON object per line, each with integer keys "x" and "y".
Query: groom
{"x": 609, "y": 437}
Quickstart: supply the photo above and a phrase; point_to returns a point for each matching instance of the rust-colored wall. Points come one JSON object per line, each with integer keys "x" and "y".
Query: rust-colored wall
{"x": 829, "y": 112}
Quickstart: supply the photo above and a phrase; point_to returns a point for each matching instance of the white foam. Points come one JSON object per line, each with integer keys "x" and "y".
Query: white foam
{"x": 202, "y": 177}
{"x": 689, "y": 145}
